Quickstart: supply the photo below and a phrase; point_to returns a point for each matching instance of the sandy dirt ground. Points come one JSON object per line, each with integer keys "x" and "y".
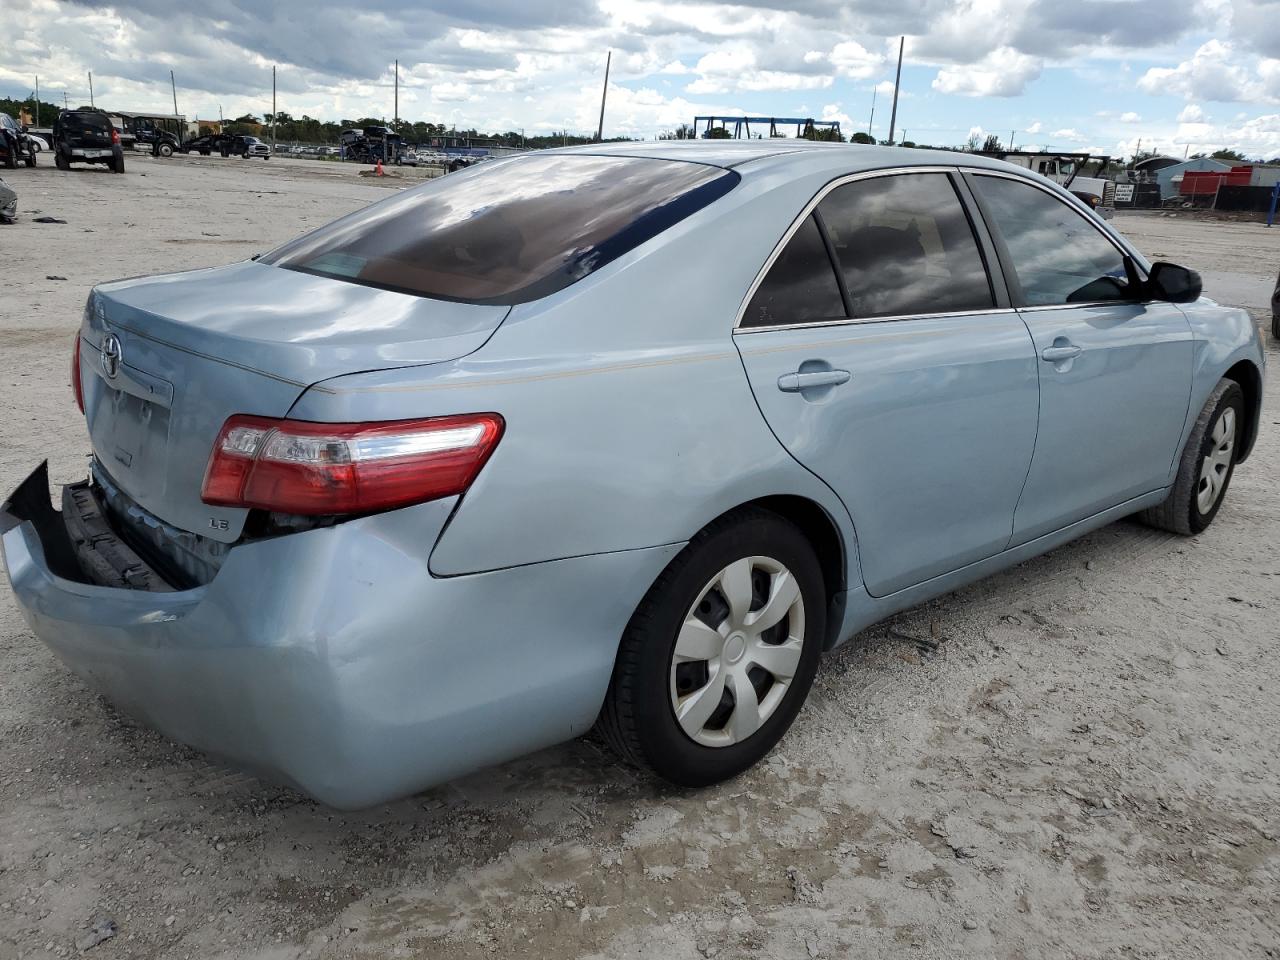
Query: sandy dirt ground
{"x": 1077, "y": 758}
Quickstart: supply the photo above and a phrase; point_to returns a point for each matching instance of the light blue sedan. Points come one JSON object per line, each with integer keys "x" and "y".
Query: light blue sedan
{"x": 622, "y": 436}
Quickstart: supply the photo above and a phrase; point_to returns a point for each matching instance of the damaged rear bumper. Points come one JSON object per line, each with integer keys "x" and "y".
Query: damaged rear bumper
{"x": 331, "y": 659}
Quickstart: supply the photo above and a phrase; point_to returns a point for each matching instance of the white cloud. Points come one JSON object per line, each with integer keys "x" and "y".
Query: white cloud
{"x": 1191, "y": 113}
{"x": 1130, "y": 117}
{"x": 450, "y": 92}
{"x": 1069, "y": 134}
{"x": 1214, "y": 72}
{"x": 736, "y": 68}
{"x": 853, "y": 60}
{"x": 1035, "y": 127}
{"x": 1002, "y": 73}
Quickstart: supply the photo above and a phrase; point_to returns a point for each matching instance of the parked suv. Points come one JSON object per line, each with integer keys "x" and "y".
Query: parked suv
{"x": 15, "y": 145}
{"x": 86, "y": 136}
{"x": 246, "y": 147}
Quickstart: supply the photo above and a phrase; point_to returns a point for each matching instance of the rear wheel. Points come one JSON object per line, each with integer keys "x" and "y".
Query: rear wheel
{"x": 60, "y": 160}
{"x": 31, "y": 157}
{"x": 1204, "y": 472}
{"x": 117, "y": 163}
{"x": 1275, "y": 326}
{"x": 165, "y": 149}
{"x": 11, "y": 158}
{"x": 719, "y": 656}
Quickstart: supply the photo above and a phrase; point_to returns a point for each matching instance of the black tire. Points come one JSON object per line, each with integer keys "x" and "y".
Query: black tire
{"x": 1275, "y": 325}
{"x": 11, "y": 158}
{"x": 638, "y": 718}
{"x": 1181, "y": 511}
{"x": 165, "y": 150}
{"x": 60, "y": 160}
{"x": 205, "y": 153}
{"x": 117, "y": 163}
{"x": 31, "y": 158}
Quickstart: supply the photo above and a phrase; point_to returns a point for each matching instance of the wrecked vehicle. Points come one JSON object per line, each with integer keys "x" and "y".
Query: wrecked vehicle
{"x": 479, "y": 466}
{"x": 15, "y": 144}
{"x": 8, "y": 203}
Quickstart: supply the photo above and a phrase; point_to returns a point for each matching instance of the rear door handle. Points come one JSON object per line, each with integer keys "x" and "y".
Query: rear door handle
{"x": 1059, "y": 352}
{"x": 800, "y": 381}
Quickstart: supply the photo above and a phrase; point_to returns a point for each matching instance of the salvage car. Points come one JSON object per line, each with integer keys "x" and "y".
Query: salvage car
{"x": 15, "y": 144}
{"x": 208, "y": 143}
{"x": 8, "y": 203}
{"x": 86, "y": 136}
{"x": 623, "y": 435}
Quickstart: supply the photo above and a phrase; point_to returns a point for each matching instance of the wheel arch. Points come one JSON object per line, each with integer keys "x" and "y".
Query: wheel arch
{"x": 1250, "y": 379}
{"x": 823, "y": 533}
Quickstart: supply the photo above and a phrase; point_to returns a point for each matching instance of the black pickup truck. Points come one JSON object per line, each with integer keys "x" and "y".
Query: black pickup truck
{"x": 86, "y": 136}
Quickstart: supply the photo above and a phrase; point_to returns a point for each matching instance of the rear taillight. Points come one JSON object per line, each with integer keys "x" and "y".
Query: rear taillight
{"x": 115, "y": 135}
{"x": 294, "y": 466}
{"x": 75, "y": 374}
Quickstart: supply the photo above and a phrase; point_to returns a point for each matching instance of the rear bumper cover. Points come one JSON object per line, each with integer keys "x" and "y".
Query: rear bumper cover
{"x": 332, "y": 659}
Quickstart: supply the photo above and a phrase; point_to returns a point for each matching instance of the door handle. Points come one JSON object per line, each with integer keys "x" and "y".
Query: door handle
{"x": 1060, "y": 352}
{"x": 805, "y": 380}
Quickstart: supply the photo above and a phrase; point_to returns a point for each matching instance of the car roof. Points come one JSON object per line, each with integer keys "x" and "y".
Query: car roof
{"x": 809, "y": 156}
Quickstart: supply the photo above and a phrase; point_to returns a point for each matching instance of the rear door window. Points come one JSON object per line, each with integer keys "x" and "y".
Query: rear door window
{"x": 511, "y": 231}
{"x": 800, "y": 286}
{"x": 1059, "y": 257}
{"x": 905, "y": 247}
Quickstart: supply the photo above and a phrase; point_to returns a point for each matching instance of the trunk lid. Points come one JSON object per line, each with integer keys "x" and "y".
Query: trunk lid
{"x": 164, "y": 361}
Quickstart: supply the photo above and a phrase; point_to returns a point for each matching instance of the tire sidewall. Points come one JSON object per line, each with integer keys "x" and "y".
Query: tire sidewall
{"x": 667, "y": 748}
{"x": 1232, "y": 397}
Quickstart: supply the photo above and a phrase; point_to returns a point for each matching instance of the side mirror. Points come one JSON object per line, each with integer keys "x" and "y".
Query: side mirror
{"x": 1175, "y": 284}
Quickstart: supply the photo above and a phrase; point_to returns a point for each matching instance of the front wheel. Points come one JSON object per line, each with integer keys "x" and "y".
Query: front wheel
{"x": 1207, "y": 463}
{"x": 719, "y": 656}
{"x": 165, "y": 150}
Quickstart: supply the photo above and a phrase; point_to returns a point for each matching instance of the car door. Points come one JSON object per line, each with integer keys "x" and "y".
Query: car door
{"x": 886, "y": 359}
{"x": 1115, "y": 368}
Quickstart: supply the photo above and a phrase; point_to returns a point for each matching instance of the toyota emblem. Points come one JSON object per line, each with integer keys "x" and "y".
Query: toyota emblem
{"x": 110, "y": 355}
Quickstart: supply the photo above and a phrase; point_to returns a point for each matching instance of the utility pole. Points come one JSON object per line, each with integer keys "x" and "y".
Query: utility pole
{"x": 174, "y": 87}
{"x": 604, "y": 93}
{"x": 91, "y": 103}
{"x": 396, "y": 123}
{"x": 273, "y": 108}
{"x": 872, "y": 122}
{"x": 37, "y": 100}
{"x": 897, "y": 80}
{"x": 1011, "y": 134}
{"x": 1137, "y": 151}
{"x": 65, "y": 104}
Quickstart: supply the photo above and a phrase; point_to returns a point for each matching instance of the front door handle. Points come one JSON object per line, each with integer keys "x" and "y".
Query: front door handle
{"x": 808, "y": 379}
{"x": 1060, "y": 352}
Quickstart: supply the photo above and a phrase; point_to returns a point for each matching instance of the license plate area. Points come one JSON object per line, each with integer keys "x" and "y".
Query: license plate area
{"x": 129, "y": 428}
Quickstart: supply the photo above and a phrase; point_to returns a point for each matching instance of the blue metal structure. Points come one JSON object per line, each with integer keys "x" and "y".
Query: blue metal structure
{"x": 702, "y": 126}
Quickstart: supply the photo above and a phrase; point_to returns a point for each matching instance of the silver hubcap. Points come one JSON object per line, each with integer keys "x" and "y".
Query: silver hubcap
{"x": 1217, "y": 463}
{"x": 737, "y": 652}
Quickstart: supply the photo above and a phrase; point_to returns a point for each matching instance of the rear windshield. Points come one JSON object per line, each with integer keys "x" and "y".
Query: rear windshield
{"x": 83, "y": 122}
{"x": 510, "y": 231}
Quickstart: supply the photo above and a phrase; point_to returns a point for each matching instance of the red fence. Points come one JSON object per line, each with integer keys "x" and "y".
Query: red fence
{"x": 1205, "y": 183}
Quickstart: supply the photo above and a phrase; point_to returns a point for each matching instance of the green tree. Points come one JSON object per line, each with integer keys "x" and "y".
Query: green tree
{"x": 861, "y": 137}
{"x": 992, "y": 143}
{"x": 1230, "y": 156}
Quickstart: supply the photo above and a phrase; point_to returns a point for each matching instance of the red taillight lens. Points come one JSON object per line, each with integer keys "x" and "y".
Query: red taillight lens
{"x": 115, "y": 135}
{"x": 75, "y": 374}
{"x": 293, "y": 466}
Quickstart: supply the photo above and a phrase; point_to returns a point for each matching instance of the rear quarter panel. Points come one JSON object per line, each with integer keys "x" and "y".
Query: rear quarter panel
{"x": 630, "y": 422}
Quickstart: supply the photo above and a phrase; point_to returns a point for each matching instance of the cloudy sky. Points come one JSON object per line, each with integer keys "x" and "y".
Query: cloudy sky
{"x": 1078, "y": 74}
